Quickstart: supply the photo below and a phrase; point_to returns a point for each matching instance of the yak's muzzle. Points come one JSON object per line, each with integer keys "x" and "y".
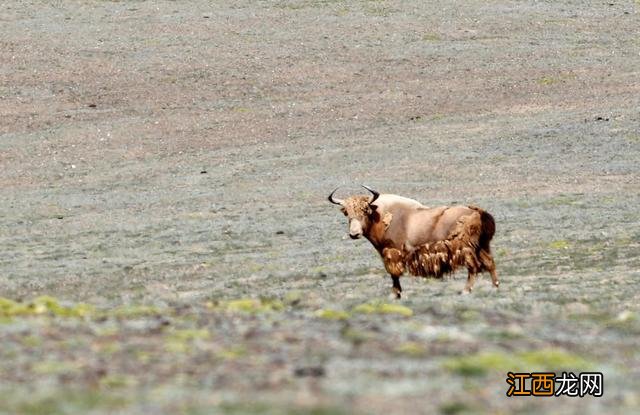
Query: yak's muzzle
{"x": 355, "y": 229}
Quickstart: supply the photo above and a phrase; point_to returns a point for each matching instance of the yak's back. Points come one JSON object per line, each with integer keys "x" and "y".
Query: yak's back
{"x": 427, "y": 225}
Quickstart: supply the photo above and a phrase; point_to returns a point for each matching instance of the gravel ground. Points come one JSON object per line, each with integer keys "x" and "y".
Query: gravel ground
{"x": 168, "y": 246}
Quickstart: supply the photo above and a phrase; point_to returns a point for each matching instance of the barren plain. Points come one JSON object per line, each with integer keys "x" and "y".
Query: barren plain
{"x": 166, "y": 243}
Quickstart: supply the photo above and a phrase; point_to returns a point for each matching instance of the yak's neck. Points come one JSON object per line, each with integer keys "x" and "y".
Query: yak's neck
{"x": 375, "y": 235}
{"x": 378, "y": 245}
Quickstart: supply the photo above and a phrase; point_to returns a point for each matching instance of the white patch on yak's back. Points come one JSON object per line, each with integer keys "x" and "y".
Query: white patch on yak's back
{"x": 386, "y": 201}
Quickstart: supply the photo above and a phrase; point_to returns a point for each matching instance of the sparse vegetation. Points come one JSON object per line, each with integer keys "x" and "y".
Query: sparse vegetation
{"x": 481, "y": 364}
{"x": 383, "y": 308}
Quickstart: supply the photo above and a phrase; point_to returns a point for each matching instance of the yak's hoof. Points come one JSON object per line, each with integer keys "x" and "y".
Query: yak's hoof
{"x": 395, "y": 295}
{"x": 496, "y": 284}
{"x": 466, "y": 291}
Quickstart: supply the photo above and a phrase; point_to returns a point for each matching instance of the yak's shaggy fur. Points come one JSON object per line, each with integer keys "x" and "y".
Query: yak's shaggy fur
{"x": 358, "y": 205}
{"x": 467, "y": 245}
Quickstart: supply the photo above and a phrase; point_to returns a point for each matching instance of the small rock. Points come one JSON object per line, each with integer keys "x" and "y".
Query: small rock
{"x": 203, "y": 172}
{"x": 309, "y": 371}
{"x": 279, "y": 232}
{"x": 92, "y": 105}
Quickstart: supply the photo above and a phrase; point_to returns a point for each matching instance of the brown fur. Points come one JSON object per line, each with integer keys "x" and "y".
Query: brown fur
{"x": 393, "y": 261}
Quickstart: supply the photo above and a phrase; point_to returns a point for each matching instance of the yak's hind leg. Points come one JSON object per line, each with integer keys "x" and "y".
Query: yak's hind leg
{"x": 471, "y": 260}
{"x": 489, "y": 265}
{"x": 394, "y": 264}
{"x": 471, "y": 280}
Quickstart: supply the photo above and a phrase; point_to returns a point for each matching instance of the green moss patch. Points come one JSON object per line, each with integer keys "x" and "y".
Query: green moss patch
{"x": 43, "y": 305}
{"x": 412, "y": 349}
{"x": 181, "y": 341}
{"x": 383, "y": 308}
{"x": 64, "y": 401}
{"x": 329, "y": 314}
{"x": 559, "y": 244}
{"x": 531, "y": 361}
{"x": 252, "y": 305}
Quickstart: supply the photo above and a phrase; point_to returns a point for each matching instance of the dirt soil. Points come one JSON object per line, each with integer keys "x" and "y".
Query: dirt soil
{"x": 167, "y": 246}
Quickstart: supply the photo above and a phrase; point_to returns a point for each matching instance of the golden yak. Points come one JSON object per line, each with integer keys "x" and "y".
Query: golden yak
{"x": 427, "y": 242}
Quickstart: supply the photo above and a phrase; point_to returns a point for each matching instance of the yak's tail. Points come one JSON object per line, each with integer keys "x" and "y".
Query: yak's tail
{"x": 485, "y": 259}
{"x": 488, "y": 229}
{"x": 467, "y": 245}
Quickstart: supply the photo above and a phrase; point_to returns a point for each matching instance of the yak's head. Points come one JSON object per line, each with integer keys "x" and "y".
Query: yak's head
{"x": 359, "y": 210}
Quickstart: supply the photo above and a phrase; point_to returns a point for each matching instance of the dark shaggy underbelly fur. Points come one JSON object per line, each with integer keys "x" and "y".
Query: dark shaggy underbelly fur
{"x": 467, "y": 245}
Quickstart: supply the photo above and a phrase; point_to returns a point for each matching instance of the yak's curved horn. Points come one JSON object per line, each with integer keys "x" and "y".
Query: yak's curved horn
{"x": 375, "y": 194}
{"x": 335, "y": 201}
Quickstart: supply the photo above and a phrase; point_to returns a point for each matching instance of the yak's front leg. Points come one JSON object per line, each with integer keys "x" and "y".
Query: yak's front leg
{"x": 397, "y": 289}
{"x": 394, "y": 264}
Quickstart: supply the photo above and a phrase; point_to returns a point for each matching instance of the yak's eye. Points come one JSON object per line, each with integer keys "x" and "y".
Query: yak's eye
{"x": 344, "y": 211}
